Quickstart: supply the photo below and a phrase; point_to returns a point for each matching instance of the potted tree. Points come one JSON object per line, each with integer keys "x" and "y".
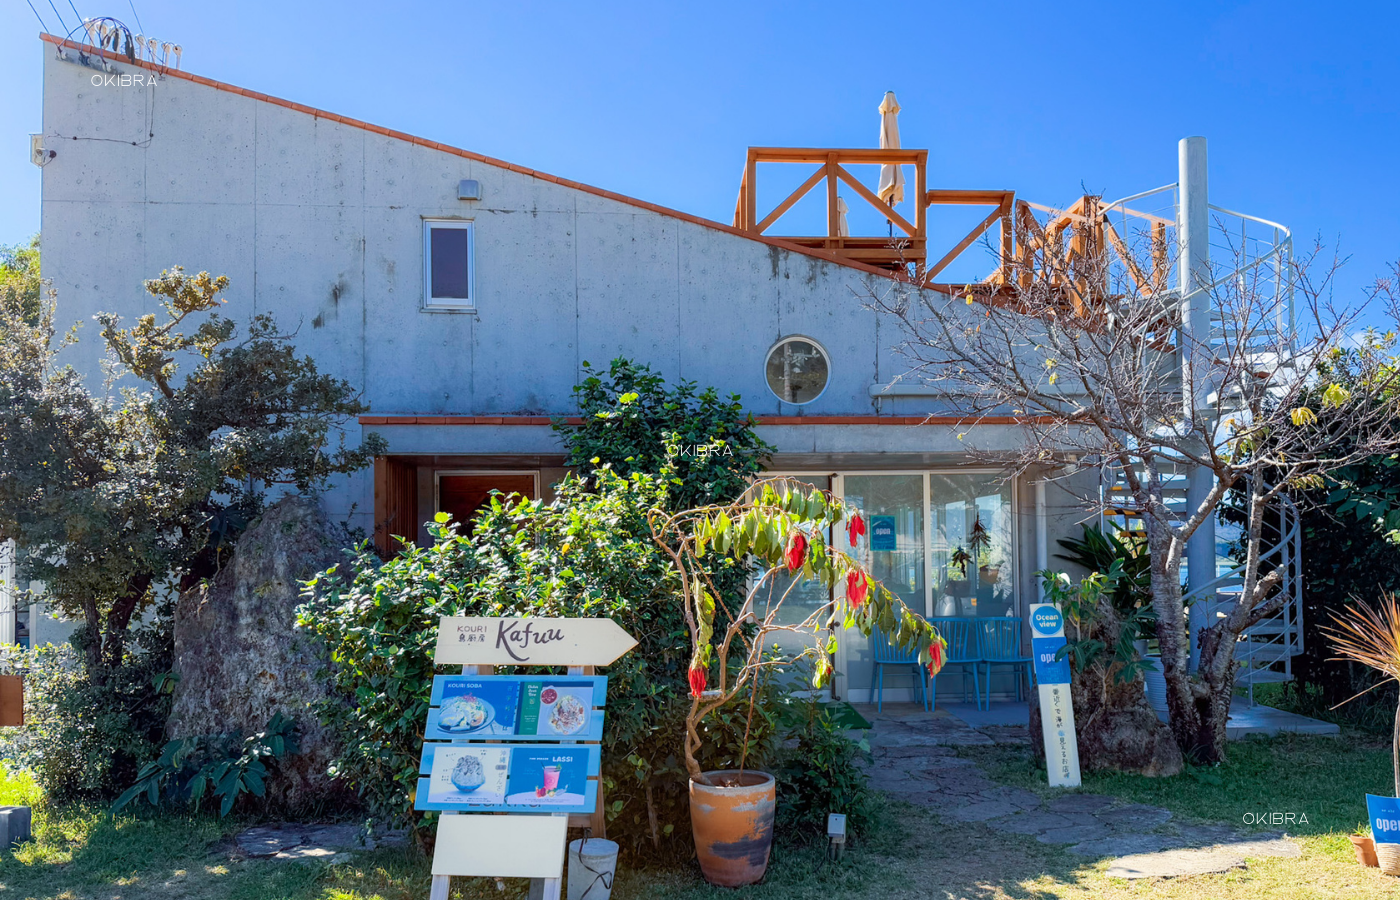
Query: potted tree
{"x": 1371, "y": 636}
{"x": 782, "y": 526}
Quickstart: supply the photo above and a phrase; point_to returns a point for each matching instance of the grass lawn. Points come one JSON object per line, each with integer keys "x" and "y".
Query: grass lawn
{"x": 81, "y": 853}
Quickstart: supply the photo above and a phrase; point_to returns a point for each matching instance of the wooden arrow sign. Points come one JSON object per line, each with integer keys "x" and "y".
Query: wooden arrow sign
{"x": 530, "y": 642}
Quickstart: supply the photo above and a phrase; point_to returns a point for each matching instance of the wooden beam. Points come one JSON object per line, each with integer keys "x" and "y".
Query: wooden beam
{"x": 751, "y": 195}
{"x": 1159, "y": 257}
{"x": 833, "y": 214}
{"x": 1008, "y": 236}
{"x": 945, "y": 197}
{"x": 920, "y": 192}
{"x": 787, "y": 204}
{"x": 819, "y": 154}
{"x": 875, "y": 201}
{"x": 965, "y": 243}
{"x": 1133, "y": 269}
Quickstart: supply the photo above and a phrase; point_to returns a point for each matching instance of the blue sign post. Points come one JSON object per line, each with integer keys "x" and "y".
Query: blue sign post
{"x": 1385, "y": 818}
{"x": 1056, "y": 707}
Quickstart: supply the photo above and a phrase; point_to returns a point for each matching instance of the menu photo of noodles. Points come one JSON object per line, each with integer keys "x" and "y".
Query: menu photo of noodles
{"x": 559, "y": 708}
{"x": 476, "y": 707}
{"x": 468, "y": 776}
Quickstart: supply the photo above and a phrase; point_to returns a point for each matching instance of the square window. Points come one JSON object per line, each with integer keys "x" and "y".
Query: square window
{"x": 447, "y": 264}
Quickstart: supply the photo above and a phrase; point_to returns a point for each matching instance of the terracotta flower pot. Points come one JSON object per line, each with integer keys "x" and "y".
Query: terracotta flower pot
{"x": 733, "y": 823}
{"x": 1365, "y": 849}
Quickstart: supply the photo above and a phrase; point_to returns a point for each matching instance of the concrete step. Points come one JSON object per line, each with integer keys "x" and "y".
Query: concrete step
{"x": 1262, "y": 676}
{"x": 1261, "y": 652}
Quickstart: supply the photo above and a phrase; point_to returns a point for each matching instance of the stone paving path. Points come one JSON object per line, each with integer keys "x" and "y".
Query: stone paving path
{"x": 916, "y": 760}
{"x": 290, "y": 841}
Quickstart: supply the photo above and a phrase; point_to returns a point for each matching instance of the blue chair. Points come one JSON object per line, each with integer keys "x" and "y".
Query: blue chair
{"x": 886, "y": 654}
{"x": 999, "y": 644}
{"x": 962, "y": 652}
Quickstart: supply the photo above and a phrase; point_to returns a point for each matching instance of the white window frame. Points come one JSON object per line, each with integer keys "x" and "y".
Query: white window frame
{"x": 788, "y": 339}
{"x": 449, "y": 303}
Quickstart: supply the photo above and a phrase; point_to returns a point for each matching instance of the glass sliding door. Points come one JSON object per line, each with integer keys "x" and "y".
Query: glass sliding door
{"x": 972, "y": 545}
{"x": 894, "y": 546}
{"x": 893, "y": 506}
{"x": 795, "y": 599}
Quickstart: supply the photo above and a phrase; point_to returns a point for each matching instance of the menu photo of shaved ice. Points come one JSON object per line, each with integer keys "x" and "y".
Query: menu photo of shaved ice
{"x": 468, "y": 775}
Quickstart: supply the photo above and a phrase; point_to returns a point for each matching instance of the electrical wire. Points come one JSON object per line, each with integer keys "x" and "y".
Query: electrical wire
{"x": 139, "y": 26}
{"x": 61, "y": 24}
{"x": 39, "y": 17}
{"x": 76, "y": 13}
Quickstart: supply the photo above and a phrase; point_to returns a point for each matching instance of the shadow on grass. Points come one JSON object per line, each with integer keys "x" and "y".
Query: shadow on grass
{"x": 1324, "y": 779}
{"x": 910, "y": 853}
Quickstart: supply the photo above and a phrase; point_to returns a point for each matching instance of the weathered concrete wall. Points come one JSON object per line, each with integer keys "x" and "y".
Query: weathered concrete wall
{"x": 320, "y": 224}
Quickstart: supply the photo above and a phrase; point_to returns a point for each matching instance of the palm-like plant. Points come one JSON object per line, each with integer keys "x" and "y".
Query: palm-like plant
{"x": 1371, "y": 636}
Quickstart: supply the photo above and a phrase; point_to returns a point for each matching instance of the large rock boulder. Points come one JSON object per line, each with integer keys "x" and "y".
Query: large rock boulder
{"x": 239, "y": 656}
{"x": 1115, "y": 725}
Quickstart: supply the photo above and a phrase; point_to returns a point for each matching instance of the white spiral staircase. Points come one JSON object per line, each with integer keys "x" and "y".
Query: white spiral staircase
{"x": 1259, "y": 254}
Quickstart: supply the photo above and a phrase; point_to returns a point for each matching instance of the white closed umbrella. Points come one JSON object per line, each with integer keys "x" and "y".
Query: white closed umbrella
{"x": 891, "y": 176}
{"x": 843, "y": 228}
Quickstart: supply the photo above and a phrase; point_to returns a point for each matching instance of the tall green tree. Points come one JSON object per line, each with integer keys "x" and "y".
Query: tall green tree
{"x": 115, "y": 493}
{"x": 632, "y": 421}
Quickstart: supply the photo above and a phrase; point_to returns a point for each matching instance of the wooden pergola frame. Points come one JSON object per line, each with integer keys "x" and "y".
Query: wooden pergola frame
{"x": 1028, "y": 250}
{"x": 877, "y": 251}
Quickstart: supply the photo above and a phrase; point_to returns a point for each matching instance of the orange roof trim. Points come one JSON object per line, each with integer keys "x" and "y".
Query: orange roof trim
{"x": 467, "y": 154}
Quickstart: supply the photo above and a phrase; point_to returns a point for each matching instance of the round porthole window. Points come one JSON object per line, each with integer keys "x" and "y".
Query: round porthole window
{"x": 797, "y": 370}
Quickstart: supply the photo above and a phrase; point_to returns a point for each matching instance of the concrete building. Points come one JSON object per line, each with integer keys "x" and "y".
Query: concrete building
{"x": 462, "y": 295}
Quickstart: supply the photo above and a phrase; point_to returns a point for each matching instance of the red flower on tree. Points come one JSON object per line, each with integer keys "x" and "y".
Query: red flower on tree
{"x": 935, "y": 658}
{"x": 855, "y": 528}
{"x": 697, "y": 680}
{"x": 796, "y": 551}
{"x": 857, "y": 587}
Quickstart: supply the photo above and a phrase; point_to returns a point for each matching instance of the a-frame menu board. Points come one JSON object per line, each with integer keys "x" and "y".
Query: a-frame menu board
{"x": 524, "y": 745}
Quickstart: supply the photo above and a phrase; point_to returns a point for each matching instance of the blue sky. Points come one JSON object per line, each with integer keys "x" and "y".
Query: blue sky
{"x": 659, "y": 100}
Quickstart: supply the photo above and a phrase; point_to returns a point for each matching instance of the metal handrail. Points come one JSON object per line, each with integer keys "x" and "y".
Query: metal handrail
{"x": 1139, "y": 196}
{"x": 1231, "y": 212}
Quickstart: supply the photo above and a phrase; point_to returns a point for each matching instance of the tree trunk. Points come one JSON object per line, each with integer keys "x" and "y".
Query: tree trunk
{"x": 94, "y": 636}
{"x": 1184, "y": 714}
{"x": 1215, "y": 675}
{"x": 119, "y": 619}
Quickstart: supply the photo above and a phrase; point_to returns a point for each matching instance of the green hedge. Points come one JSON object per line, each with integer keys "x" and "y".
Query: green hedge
{"x": 587, "y": 553}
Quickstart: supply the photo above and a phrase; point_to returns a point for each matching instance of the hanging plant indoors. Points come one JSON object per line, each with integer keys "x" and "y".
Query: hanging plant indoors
{"x": 1371, "y": 636}
{"x": 782, "y": 525}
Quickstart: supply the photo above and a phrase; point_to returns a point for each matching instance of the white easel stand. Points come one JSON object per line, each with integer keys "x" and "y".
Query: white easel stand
{"x": 540, "y": 888}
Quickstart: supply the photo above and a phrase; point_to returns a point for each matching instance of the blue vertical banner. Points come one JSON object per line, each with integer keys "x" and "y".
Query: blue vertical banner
{"x": 1056, "y": 707}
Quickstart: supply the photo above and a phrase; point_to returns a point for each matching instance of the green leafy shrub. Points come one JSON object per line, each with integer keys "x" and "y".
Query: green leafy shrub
{"x": 589, "y": 552}
{"x": 86, "y": 735}
{"x": 222, "y": 767}
{"x": 821, "y": 769}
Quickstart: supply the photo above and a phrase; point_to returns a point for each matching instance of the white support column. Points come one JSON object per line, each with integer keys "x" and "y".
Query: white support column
{"x": 1042, "y": 536}
{"x": 8, "y": 590}
{"x": 1193, "y": 267}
